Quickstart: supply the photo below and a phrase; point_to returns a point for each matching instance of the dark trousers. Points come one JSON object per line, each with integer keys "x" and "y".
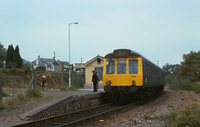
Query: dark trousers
{"x": 95, "y": 86}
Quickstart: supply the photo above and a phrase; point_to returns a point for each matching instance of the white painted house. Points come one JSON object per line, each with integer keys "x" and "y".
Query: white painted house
{"x": 47, "y": 62}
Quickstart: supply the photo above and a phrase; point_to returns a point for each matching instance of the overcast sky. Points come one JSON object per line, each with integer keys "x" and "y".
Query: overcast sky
{"x": 161, "y": 30}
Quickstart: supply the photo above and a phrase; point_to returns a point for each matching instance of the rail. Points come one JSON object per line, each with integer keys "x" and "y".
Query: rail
{"x": 80, "y": 117}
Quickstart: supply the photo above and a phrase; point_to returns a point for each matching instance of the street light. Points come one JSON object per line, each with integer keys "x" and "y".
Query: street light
{"x": 69, "y": 54}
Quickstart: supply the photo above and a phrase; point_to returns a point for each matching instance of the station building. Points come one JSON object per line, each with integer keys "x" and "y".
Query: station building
{"x": 96, "y": 64}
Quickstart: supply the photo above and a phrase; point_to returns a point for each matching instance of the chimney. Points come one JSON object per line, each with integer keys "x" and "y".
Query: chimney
{"x": 38, "y": 60}
{"x": 54, "y": 58}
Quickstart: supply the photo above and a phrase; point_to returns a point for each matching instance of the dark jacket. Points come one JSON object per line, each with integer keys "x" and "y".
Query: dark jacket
{"x": 94, "y": 78}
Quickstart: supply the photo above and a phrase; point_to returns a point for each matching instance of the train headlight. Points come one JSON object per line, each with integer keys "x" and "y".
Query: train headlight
{"x": 109, "y": 82}
{"x": 106, "y": 81}
{"x": 133, "y": 82}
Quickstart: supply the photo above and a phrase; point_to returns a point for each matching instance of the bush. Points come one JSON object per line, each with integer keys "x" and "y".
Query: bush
{"x": 20, "y": 96}
{"x": 190, "y": 117}
{"x": 182, "y": 84}
{"x": 27, "y": 68}
{"x": 41, "y": 68}
{"x": 195, "y": 86}
{"x": 72, "y": 89}
{"x": 78, "y": 79}
{"x": 11, "y": 64}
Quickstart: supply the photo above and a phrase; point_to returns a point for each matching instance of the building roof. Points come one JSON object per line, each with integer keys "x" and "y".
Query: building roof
{"x": 90, "y": 61}
{"x": 82, "y": 65}
{"x": 26, "y": 61}
{"x": 43, "y": 61}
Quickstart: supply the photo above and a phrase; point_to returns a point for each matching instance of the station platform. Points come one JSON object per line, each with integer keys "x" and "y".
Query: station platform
{"x": 70, "y": 101}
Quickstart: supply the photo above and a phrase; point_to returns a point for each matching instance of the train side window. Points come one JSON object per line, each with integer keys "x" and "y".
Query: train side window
{"x": 110, "y": 66}
{"x": 133, "y": 66}
{"x": 143, "y": 67}
{"x": 121, "y": 66}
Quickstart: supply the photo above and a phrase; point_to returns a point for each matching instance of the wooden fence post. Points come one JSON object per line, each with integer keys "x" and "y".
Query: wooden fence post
{"x": 30, "y": 85}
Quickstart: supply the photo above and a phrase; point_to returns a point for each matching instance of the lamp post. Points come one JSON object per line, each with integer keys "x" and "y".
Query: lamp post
{"x": 69, "y": 54}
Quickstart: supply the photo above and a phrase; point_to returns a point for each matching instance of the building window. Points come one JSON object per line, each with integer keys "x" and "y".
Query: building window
{"x": 98, "y": 61}
{"x": 99, "y": 71}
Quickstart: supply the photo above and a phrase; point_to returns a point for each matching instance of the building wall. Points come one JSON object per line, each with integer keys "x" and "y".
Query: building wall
{"x": 58, "y": 68}
{"x": 88, "y": 73}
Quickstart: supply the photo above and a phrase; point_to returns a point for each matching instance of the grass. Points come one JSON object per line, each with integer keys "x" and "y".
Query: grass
{"x": 35, "y": 94}
{"x": 9, "y": 105}
{"x": 72, "y": 89}
{"x": 20, "y": 98}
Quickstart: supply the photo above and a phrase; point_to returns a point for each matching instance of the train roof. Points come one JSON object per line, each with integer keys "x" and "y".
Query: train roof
{"x": 124, "y": 53}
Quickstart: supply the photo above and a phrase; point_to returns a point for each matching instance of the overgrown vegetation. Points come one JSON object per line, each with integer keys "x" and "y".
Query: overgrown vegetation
{"x": 186, "y": 75}
{"x": 20, "y": 78}
{"x": 54, "y": 80}
{"x": 190, "y": 117}
{"x": 195, "y": 86}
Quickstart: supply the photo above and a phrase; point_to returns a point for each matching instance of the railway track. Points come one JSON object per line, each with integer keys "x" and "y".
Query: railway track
{"x": 75, "y": 118}
{"x": 83, "y": 116}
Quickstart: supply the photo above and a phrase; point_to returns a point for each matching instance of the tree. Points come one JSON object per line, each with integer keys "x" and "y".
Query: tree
{"x": 190, "y": 67}
{"x": 13, "y": 57}
{"x": 2, "y": 55}
{"x": 10, "y": 56}
{"x": 171, "y": 69}
{"x": 17, "y": 58}
{"x": 170, "y": 72}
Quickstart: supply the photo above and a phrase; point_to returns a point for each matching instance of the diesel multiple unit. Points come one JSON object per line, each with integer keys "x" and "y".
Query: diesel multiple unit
{"x": 126, "y": 71}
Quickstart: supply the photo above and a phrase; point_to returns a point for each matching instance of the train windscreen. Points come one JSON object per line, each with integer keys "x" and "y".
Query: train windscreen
{"x": 110, "y": 66}
{"x": 121, "y": 66}
{"x": 133, "y": 66}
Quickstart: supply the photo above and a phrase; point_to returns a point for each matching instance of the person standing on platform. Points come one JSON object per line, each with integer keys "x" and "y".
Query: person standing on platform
{"x": 94, "y": 80}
